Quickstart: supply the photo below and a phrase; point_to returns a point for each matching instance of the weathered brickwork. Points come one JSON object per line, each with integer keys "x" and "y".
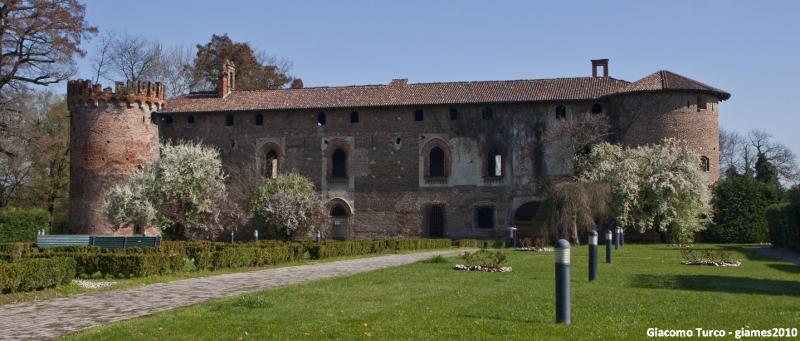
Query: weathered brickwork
{"x": 386, "y": 168}
{"x": 111, "y": 135}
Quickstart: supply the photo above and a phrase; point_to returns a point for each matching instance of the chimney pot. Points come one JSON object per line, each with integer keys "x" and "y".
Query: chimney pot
{"x": 598, "y": 63}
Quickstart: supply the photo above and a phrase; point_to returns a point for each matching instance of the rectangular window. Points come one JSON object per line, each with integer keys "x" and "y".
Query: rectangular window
{"x": 354, "y": 117}
{"x": 701, "y": 103}
{"x": 259, "y": 120}
{"x": 419, "y": 115}
{"x": 453, "y": 114}
{"x": 484, "y": 217}
{"x": 229, "y": 120}
{"x": 190, "y": 119}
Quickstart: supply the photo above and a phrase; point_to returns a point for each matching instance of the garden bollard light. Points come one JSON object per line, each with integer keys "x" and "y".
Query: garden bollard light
{"x": 608, "y": 246}
{"x": 618, "y": 241}
{"x": 592, "y": 255}
{"x": 319, "y": 237}
{"x": 513, "y": 235}
{"x": 231, "y": 237}
{"x": 256, "y": 234}
{"x": 562, "y": 282}
{"x": 621, "y": 236}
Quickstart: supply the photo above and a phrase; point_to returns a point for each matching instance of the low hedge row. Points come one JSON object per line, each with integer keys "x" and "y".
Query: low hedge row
{"x": 34, "y": 274}
{"x": 21, "y": 225}
{"x": 174, "y": 256}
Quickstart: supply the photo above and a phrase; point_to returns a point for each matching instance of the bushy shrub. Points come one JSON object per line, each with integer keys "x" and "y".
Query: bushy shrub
{"x": 22, "y": 225}
{"x": 740, "y": 205}
{"x": 361, "y": 247}
{"x": 288, "y": 205}
{"x": 482, "y": 244}
{"x": 34, "y": 274}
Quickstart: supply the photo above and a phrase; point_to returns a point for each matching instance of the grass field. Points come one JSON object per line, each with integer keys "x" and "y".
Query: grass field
{"x": 645, "y": 287}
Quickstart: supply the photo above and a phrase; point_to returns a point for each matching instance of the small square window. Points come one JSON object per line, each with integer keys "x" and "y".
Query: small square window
{"x": 354, "y": 117}
{"x": 190, "y": 119}
{"x": 484, "y": 217}
{"x": 487, "y": 113}
{"x": 229, "y": 120}
{"x": 701, "y": 103}
{"x": 453, "y": 114}
{"x": 321, "y": 119}
{"x": 419, "y": 115}
{"x": 259, "y": 120}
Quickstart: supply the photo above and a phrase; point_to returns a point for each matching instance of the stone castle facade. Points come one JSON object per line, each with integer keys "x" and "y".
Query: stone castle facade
{"x": 459, "y": 159}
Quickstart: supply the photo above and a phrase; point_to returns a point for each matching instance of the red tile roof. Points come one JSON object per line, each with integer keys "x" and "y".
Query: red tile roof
{"x": 398, "y": 93}
{"x": 666, "y": 80}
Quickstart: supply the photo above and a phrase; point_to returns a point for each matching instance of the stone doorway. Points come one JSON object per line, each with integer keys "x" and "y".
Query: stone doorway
{"x": 340, "y": 221}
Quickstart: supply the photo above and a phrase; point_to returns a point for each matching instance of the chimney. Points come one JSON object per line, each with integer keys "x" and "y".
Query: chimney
{"x": 600, "y": 62}
{"x": 398, "y": 82}
{"x": 227, "y": 79}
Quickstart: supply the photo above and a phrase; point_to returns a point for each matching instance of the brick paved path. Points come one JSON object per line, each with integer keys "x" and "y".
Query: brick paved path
{"x": 59, "y": 316}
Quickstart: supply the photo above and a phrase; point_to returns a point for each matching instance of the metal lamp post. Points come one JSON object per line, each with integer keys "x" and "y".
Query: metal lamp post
{"x": 513, "y": 235}
{"x": 592, "y": 255}
{"x": 256, "y": 234}
{"x": 608, "y": 246}
{"x": 563, "y": 314}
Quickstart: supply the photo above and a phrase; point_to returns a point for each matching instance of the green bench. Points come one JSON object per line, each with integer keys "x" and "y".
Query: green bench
{"x": 103, "y": 242}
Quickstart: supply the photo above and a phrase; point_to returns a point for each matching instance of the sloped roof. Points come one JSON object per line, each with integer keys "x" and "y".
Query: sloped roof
{"x": 399, "y": 93}
{"x": 666, "y": 80}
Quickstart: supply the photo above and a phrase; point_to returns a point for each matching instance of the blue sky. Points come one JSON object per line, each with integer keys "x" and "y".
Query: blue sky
{"x": 748, "y": 48}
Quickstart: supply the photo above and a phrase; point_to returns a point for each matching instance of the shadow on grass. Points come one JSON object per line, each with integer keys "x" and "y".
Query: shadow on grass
{"x": 790, "y": 268}
{"x": 735, "y": 285}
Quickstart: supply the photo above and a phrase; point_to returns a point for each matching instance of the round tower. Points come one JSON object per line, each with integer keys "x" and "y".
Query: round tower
{"x": 667, "y": 105}
{"x": 112, "y": 133}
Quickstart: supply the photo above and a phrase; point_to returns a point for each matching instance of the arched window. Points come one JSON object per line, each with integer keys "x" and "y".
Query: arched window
{"x": 494, "y": 163}
{"x": 705, "y": 164}
{"x": 339, "y": 164}
{"x": 321, "y": 119}
{"x": 436, "y": 159}
{"x": 270, "y": 167}
{"x": 229, "y": 120}
{"x": 561, "y": 112}
{"x": 597, "y": 108}
{"x": 259, "y": 120}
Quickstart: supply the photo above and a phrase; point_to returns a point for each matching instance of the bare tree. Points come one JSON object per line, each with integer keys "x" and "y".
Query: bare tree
{"x": 134, "y": 58}
{"x": 574, "y": 135}
{"x": 739, "y": 152}
{"x": 102, "y": 55}
{"x": 174, "y": 69}
{"x": 39, "y": 41}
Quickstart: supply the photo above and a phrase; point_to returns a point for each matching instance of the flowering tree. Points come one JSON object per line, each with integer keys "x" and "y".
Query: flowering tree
{"x": 288, "y": 204}
{"x": 183, "y": 194}
{"x": 654, "y": 187}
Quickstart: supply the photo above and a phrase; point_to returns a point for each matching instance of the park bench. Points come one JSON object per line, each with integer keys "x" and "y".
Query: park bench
{"x": 56, "y": 240}
{"x": 103, "y": 242}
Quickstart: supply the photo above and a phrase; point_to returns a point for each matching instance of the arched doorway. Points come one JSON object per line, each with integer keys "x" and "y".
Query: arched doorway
{"x": 527, "y": 221}
{"x": 340, "y": 214}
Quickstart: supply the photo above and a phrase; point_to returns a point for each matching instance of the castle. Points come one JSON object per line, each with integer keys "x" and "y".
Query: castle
{"x": 457, "y": 159}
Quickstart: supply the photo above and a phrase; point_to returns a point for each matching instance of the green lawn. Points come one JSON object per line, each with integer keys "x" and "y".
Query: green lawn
{"x": 645, "y": 287}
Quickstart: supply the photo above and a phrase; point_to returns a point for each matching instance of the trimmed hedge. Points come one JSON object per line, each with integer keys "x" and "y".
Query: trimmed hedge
{"x": 35, "y": 274}
{"x": 784, "y": 230}
{"x": 483, "y": 244}
{"x": 361, "y": 247}
{"x": 22, "y": 225}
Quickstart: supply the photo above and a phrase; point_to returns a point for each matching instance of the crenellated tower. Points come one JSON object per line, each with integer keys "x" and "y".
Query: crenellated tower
{"x": 112, "y": 133}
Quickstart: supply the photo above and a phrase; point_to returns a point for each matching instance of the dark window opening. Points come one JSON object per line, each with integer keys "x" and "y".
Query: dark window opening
{"x": 705, "y": 164}
{"x": 487, "y": 113}
{"x": 354, "y": 117}
{"x": 321, "y": 119}
{"x": 561, "y": 112}
{"x": 597, "y": 108}
{"x": 484, "y": 217}
{"x": 339, "y": 164}
{"x": 229, "y": 120}
{"x": 190, "y": 119}
{"x": 701, "y": 103}
{"x": 419, "y": 115}
{"x": 259, "y": 120}
{"x": 495, "y": 164}
{"x": 338, "y": 210}
{"x": 397, "y": 140}
{"x": 137, "y": 229}
{"x": 436, "y": 163}
{"x": 270, "y": 168}
{"x": 453, "y": 114}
